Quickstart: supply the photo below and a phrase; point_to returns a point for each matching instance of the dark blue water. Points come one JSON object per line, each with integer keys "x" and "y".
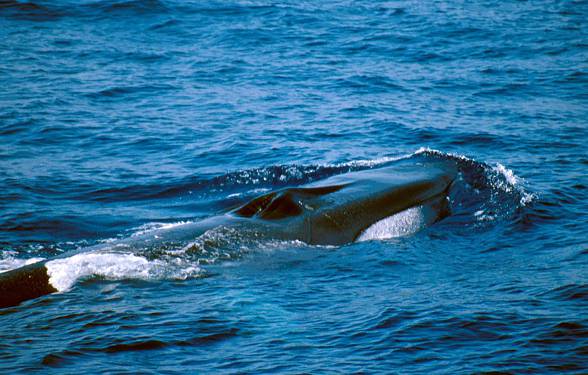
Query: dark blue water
{"x": 118, "y": 117}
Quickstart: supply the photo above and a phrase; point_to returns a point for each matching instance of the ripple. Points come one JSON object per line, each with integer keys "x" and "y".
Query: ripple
{"x": 135, "y": 346}
{"x": 115, "y": 92}
{"x": 570, "y": 292}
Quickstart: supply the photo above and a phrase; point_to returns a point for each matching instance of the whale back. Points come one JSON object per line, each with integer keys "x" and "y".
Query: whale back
{"x": 24, "y": 283}
{"x": 336, "y": 210}
{"x": 333, "y": 211}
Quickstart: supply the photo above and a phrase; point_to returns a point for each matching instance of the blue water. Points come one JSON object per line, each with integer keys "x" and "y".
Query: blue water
{"x": 118, "y": 117}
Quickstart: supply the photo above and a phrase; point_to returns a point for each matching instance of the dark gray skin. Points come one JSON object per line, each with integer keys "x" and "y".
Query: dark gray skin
{"x": 334, "y": 211}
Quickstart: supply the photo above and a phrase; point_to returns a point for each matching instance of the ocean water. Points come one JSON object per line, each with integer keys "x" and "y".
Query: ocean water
{"x": 120, "y": 117}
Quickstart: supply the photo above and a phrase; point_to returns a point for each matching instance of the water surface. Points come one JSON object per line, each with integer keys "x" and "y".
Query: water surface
{"x": 118, "y": 117}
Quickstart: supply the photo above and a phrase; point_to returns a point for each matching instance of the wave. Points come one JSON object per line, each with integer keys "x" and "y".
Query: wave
{"x": 42, "y": 11}
{"x": 49, "y": 11}
{"x": 135, "y": 6}
{"x": 30, "y": 11}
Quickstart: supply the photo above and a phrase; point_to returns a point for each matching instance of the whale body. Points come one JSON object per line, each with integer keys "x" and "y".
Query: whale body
{"x": 333, "y": 211}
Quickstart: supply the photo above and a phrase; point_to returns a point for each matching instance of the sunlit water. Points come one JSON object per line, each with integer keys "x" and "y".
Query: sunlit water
{"x": 121, "y": 117}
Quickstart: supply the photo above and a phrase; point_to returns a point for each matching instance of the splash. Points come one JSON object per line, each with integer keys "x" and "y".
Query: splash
{"x": 504, "y": 186}
{"x": 369, "y": 163}
{"x": 511, "y": 182}
{"x": 63, "y": 273}
{"x": 154, "y": 226}
{"x": 9, "y": 261}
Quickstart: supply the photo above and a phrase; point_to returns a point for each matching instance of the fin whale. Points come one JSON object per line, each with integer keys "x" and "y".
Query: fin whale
{"x": 333, "y": 211}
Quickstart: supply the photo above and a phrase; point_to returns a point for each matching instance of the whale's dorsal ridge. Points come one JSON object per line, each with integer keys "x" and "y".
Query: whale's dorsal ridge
{"x": 285, "y": 203}
{"x": 254, "y": 206}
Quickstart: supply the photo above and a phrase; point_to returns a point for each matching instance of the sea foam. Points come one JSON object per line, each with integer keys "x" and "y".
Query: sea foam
{"x": 64, "y": 272}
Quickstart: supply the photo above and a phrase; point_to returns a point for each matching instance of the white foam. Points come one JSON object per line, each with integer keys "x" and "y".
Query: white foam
{"x": 424, "y": 150}
{"x": 508, "y": 174}
{"x": 63, "y": 273}
{"x": 401, "y": 224}
{"x": 150, "y": 227}
{"x": 511, "y": 181}
{"x": 11, "y": 263}
{"x": 371, "y": 162}
{"x": 481, "y": 215}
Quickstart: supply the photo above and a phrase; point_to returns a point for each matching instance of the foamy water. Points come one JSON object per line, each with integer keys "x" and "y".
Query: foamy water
{"x": 63, "y": 273}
